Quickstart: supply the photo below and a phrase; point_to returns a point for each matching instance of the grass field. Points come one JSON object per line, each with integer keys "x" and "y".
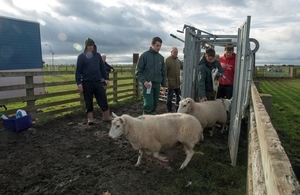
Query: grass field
{"x": 285, "y": 114}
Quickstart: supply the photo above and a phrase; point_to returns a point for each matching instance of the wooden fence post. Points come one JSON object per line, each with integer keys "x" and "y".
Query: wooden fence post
{"x": 30, "y": 93}
{"x": 136, "y": 82}
{"x": 115, "y": 86}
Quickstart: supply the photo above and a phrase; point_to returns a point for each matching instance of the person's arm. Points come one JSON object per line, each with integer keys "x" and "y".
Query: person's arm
{"x": 139, "y": 70}
{"x": 220, "y": 68}
{"x": 78, "y": 73}
{"x": 201, "y": 83}
{"x": 102, "y": 68}
{"x": 163, "y": 74}
{"x": 111, "y": 69}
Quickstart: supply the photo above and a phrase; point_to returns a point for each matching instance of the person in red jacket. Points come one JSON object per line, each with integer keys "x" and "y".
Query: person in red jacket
{"x": 227, "y": 62}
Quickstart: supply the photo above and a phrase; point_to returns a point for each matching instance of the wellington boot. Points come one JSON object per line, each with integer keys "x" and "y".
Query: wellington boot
{"x": 106, "y": 116}
{"x": 90, "y": 118}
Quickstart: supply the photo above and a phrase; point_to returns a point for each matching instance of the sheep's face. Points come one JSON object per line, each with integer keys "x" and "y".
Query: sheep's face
{"x": 184, "y": 106}
{"x": 116, "y": 129}
{"x": 227, "y": 104}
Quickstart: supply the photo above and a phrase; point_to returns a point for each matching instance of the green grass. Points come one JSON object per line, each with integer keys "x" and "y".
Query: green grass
{"x": 285, "y": 114}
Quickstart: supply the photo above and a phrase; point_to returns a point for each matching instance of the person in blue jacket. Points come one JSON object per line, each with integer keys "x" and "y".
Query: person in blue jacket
{"x": 90, "y": 70}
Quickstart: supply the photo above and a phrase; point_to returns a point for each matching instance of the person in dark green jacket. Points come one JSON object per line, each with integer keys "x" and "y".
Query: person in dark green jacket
{"x": 151, "y": 72}
{"x": 207, "y": 64}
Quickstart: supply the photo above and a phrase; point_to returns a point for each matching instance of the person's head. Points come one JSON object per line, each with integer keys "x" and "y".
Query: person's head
{"x": 89, "y": 44}
{"x": 229, "y": 49}
{"x": 103, "y": 57}
{"x": 210, "y": 55}
{"x": 156, "y": 44}
{"x": 174, "y": 52}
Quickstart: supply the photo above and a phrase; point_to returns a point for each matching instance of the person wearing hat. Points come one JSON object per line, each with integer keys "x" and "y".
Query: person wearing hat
{"x": 90, "y": 70}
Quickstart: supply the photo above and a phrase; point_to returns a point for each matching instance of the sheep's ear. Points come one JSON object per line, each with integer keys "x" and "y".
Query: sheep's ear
{"x": 122, "y": 120}
{"x": 181, "y": 98}
{"x": 114, "y": 115}
{"x": 231, "y": 99}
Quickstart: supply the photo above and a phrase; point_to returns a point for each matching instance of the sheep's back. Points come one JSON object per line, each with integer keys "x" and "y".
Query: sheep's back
{"x": 213, "y": 111}
{"x": 172, "y": 127}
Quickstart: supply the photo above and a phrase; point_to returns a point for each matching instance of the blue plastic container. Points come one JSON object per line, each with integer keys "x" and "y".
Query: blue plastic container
{"x": 18, "y": 124}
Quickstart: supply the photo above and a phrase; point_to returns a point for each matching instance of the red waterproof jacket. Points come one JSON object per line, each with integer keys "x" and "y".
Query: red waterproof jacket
{"x": 228, "y": 65}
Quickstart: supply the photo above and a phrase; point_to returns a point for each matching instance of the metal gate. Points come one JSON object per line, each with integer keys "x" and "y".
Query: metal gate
{"x": 195, "y": 40}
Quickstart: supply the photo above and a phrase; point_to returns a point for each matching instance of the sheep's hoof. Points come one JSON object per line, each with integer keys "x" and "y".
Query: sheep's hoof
{"x": 163, "y": 159}
{"x": 137, "y": 165}
{"x": 181, "y": 167}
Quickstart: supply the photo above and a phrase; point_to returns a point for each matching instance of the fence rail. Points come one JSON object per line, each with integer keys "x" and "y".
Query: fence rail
{"x": 61, "y": 94}
{"x": 277, "y": 71}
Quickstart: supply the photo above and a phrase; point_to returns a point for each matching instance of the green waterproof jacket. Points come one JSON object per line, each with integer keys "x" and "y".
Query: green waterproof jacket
{"x": 151, "y": 67}
{"x": 205, "y": 80}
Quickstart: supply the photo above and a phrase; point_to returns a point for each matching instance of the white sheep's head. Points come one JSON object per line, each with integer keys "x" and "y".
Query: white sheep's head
{"x": 116, "y": 129}
{"x": 185, "y": 105}
{"x": 227, "y": 104}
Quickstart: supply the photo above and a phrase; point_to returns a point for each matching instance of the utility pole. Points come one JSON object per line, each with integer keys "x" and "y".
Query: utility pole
{"x": 52, "y": 52}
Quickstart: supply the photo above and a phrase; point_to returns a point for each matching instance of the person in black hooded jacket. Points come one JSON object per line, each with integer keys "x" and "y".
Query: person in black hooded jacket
{"x": 90, "y": 70}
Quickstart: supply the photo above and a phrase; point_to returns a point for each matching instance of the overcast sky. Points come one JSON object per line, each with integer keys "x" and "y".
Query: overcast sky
{"x": 123, "y": 27}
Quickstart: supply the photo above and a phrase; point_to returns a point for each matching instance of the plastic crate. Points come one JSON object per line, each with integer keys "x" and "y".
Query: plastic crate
{"x": 17, "y": 124}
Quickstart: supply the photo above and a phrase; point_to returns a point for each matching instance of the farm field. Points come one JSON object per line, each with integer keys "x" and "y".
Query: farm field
{"x": 65, "y": 156}
{"x": 285, "y": 114}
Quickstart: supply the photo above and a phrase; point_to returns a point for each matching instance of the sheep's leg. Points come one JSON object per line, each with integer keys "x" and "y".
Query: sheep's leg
{"x": 202, "y": 136}
{"x": 212, "y": 131}
{"x": 138, "y": 162}
{"x": 160, "y": 157}
{"x": 189, "y": 155}
{"x": 223, "y": 128}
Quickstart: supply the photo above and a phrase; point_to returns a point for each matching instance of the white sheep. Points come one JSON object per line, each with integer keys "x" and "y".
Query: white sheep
{"x": 209, "y": 113}
{"x": 152, "y": 132}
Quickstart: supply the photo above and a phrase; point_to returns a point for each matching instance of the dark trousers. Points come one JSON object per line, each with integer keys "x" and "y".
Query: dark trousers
{"x": 210, "y": 95}
{"x": 170, "y": 98}
{"x": 91, "y": 89}
{"x": 225, "y": 91}
{"x": 151, "y": 100}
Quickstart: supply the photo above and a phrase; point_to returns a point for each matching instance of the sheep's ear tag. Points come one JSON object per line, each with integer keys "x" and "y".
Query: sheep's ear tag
{"x": 140, "y": 117}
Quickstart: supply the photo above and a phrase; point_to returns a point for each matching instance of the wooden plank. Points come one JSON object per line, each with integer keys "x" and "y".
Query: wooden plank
{"x": 35, "y": 85}
{"x": 43, "y": 73}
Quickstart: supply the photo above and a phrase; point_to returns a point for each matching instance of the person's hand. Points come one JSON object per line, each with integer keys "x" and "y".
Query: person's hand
{"x": 147, "y": 84}
{"x": 80, "y": 88}
{"x": 111, "y": 70}
{"x": 163, "y": 91}
{"x": 203, "y": 99}
{"x": 107, "y": 83}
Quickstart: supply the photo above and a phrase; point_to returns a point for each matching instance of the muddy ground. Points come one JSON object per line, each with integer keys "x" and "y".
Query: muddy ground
{"x": 68, "y": 157}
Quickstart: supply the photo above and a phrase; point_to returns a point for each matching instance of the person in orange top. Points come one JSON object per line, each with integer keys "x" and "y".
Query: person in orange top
{"x": 227, "y": 62}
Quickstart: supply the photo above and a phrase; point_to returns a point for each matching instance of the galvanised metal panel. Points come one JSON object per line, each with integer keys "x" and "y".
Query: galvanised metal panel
{"x": 241, "y": 87}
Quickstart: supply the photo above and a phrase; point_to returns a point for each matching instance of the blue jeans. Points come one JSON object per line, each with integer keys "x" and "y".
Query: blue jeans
{"x": 170, "y": 98}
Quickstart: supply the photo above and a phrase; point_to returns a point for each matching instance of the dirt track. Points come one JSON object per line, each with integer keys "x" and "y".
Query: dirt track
{"x": 67, "y": 157}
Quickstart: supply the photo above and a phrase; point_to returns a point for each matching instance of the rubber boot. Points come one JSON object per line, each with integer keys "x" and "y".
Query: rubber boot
{"x": 106, "y": 116}
{"x": 90, "y": 118}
